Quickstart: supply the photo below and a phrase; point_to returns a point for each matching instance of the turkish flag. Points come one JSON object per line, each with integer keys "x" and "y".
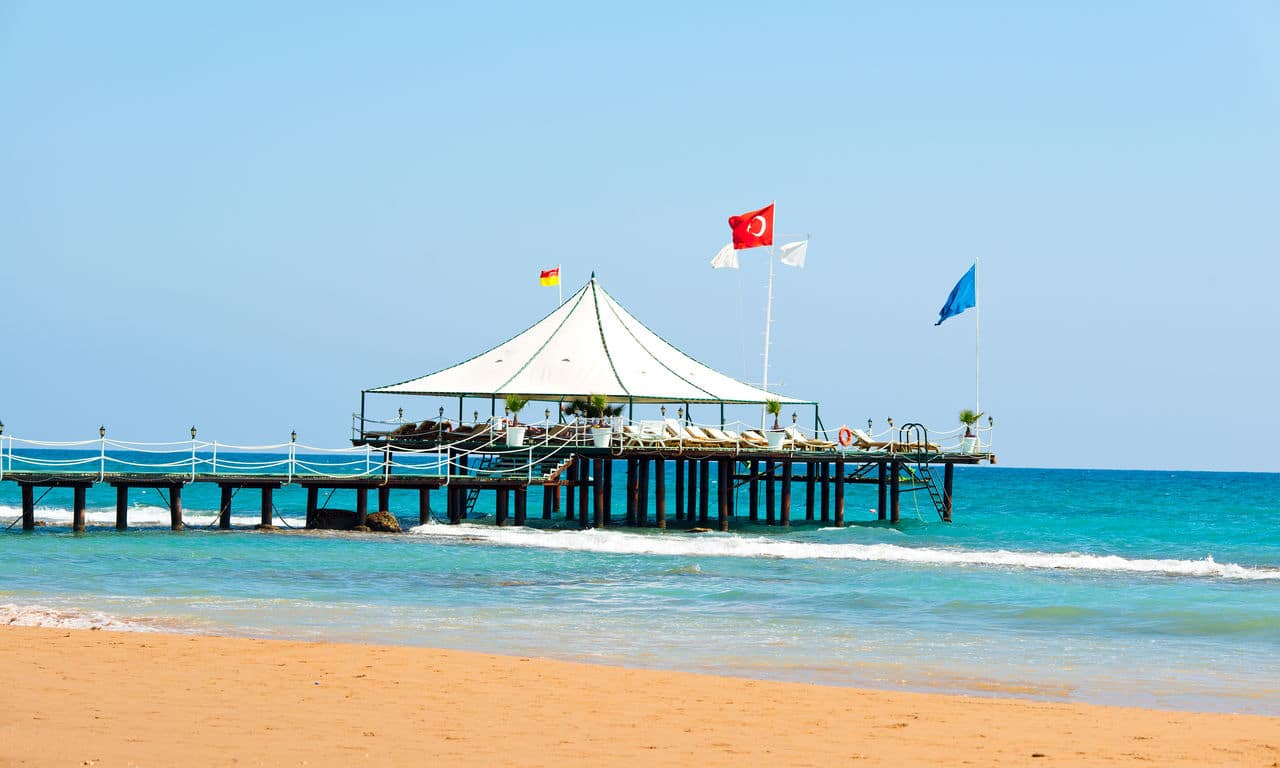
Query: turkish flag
{"x": 753, "y": 228}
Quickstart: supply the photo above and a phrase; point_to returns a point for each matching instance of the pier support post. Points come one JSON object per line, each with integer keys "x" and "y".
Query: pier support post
{"x": 704, "y": 490}
{"x": 384, "y": 498}
{"x": 122, "y": 507}
{"x": 28, "y": 507}
{"x": 948, "y": 478}
{"x": 839, "y": 480}
{"x": 786, "y": 493}
{"x": 224, "y": 508}
{"x": 826, "y": 491}
{"x": 584, "y": 490}
{"x": 810, "y": 483}
{"x": 753, "y": 490}
{"x": 522, "y": 504}
{"x": 453, "y": 503}
{"x": 642, "y": 509}
{"x": 598, "y": 487}
{"x": 362, "y": 505}
{"x": 77, "y": 508}
{"x": 546, "y": 501}
{"x": 424, "y": 505}
{"x": 633, "y": 491}
{"x": 660, "y": 493}
{"x": 268, "y": 509}
{"x": 313, "y": 498}
{"x": 175, "y": 507}
{"x": 500, "y": 506}
{"x": 678, "y": 465}
{"x": 692, "y": 512}
{"x": 895, "y": 491}
{"x": 770, "y": 489}
{"x": 571, "y": 475}
{"x": 606, "y": 466}
{"x": 882, "y": 480}
{"x": 725, "y": 487}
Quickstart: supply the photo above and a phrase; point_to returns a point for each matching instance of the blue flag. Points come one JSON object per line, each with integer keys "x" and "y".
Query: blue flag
{"x": 962, "y": 297}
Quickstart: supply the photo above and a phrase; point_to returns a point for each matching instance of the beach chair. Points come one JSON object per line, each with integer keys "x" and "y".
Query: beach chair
{"x": 722, "y": 438}
{"x": 679, "y": 434}
{"x": 754, "y": 439}
{"x": 807, "y": 444}
{"x": 701, "y": 437}
{"x": 647, "y": 433}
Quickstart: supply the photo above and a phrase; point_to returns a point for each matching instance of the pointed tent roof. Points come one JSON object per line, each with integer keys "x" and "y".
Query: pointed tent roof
{"x": 588, "y": 345}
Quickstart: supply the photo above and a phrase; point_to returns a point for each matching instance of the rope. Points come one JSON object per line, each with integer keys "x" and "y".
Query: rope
{"x": 276, "y": 511}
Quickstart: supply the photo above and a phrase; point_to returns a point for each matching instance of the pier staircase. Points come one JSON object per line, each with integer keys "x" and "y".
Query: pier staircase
{"x": 514, "y": 466}
{"x": 920, "y": 476}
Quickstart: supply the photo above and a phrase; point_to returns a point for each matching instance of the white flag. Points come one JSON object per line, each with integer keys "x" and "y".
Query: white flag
{"x": 727, "y": 257}
{"x": 793, "y": 253}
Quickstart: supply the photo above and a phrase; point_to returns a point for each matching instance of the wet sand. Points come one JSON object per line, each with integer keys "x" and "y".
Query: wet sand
{"x": 80, "y": 697}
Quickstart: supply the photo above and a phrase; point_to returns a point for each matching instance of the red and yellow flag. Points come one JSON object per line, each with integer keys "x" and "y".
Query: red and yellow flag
{"x": 550, "y": 276}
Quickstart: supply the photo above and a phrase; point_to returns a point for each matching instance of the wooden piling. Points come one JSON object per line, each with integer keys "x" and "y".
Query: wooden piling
{"x": 753, "y": 490}
{"x": 770, "y": 488}
{"x": 660, "y": 493}
{"x": 224, "y": 508}
{"x": 384, "y": 498}
{"x": 424, "y": 505}
{"x": 826, "y": 491}
{"x": 598, "y": 486}
{"x": 948, "y": 478}
{"x": 607, "y": 467}
{"x": 810, "y": 483}
{"x": 692, "y": 512}
{"x": 28, "y": 507}
{"x": 175, "y": 507}
{"x": 633, "y": 491}
{"x": 77, "y": 507}
{"x": 785, "y": 517}
{"x": 500, "y": 506}
{"x": 584, "y": 493}
{"x": 569, "y": 501}
{"x": 704, "y": 490}
{"x": 895, "y": 491}
{"x": 724, "y": 487}
{"x": 268, "y": 509}
{"x": 122, "y": 507}
{"x": 678, "y": 465}
{"x": 882, "y": 480}
{"x": 642, "y": 508}
{"x": 839, "y": 481}
{"x": 313, "y": 498}
{"x": 522, "y": 504}
{"x": 362, "y": 505}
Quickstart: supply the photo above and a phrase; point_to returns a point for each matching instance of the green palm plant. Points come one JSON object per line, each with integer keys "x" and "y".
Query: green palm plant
{"x": 774, "y": 409}
{"x": 514, "y": 403}
{"x": 968, "y": 417}
{"x": 592, "y": 407}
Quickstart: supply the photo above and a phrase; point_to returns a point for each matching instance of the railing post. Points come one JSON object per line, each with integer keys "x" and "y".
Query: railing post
{"x": 215, "y": 457}
{"x": 102, "y": 456}
{"x": 193, "y": 458}
{"x": 293, "y": 443}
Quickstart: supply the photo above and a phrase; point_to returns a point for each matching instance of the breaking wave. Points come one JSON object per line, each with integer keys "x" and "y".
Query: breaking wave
{"x": 66, "y": 618}
{"x": 734, "y": 545}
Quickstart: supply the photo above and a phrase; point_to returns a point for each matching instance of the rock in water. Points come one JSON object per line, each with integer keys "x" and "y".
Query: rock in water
{"x": 384, "y": 522}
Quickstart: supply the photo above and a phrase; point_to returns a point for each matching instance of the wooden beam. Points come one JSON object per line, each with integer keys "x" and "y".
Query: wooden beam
{"x": 826, "y": 491}
{"x": 678, "y": 465}
{"x": 660, "y": 493}
{"x": 28, "y": 507}
{"x": 948, "y": 480}
{"x": 122, "y": 507}
{"x": 424, "y": 505}
{"x": 785, "y": 517}
{"x": 175, "y": 507}
{"x": 77, "y": 508}
{"x": 882, "y": 480}
{"x": 810, "y": 483}
{"x": 753, "y": 490}
{"x": 522, "y": 504}
{"x": 598, "y": 486}
{"x": 224, "y": 507}
{"x": 268, "y": 510}
{"x": 895, "y": 491}
{"x": 839, "y": 481}
{"x": 770, "y": 491}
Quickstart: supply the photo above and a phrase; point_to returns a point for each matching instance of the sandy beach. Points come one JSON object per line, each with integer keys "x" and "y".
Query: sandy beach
{"x": 79, "y": 697}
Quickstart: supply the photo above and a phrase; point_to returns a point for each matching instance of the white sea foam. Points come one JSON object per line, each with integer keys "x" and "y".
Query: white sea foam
{"x": 734, "y": 545}
{"x": 141, "y": 515}
{"x": 66, "y": 618}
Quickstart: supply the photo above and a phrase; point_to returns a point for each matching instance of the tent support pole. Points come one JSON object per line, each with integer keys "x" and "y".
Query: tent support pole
{"x": 362, "y": 394}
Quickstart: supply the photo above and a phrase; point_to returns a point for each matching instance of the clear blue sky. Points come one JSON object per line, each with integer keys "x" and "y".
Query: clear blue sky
{"x": 241, "y": 214}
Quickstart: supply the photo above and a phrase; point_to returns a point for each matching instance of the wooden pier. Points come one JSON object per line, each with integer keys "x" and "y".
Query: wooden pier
{"x": 575, "y": 483}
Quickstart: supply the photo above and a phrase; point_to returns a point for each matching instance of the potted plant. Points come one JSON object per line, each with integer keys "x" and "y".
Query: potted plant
{"x": 515, "y": 432}
{"x": 596, "y": 409}
{"x": 776, "y": 435}
{"x": 969, "y": 443}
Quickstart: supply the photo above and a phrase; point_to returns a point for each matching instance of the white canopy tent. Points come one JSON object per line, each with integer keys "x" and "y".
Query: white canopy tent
{"x": 588, "y": 345}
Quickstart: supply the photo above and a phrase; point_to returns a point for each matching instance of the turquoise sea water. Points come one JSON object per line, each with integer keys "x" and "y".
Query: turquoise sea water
{"x": 1148, "y": 588}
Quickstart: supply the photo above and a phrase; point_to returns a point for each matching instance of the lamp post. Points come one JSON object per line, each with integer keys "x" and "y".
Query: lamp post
{"x": 868, "y": 426}
{"x": 193, "y": 452}
{"x": 102, "y": 454}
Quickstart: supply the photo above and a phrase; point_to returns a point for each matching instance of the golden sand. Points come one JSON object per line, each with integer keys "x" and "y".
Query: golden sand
{"x": 77, "y": 697}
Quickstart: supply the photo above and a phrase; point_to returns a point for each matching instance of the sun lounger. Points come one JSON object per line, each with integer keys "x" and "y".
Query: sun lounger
{"x": 807, "y": 444}
{"x": 754, "y": 439}
{"x": 721, "y": 437}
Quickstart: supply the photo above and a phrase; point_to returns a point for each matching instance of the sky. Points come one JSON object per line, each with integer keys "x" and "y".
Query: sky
{"x": 239, "y": 215}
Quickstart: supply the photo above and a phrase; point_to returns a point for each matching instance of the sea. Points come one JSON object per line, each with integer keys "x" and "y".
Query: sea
{"x": 1146, "y": 588}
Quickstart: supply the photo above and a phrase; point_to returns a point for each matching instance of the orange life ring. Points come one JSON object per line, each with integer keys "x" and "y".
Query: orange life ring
{"x": 846, "y": 437}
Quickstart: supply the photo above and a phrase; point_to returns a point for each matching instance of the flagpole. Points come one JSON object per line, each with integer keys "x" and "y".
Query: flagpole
{"x": 560, "y": 283}
{"x": 977, "y": 346}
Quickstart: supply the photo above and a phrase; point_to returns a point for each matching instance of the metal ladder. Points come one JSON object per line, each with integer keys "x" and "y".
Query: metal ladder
{"x": 487, "y": 461}
{"x": 917, "y": 434}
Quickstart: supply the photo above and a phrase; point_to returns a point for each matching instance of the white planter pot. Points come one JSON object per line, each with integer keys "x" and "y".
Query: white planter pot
{"x": 600, "y": 436}
{"x": 968, "y": 445}
{"x": 775, "y": 438}
{"x": 515, "y": 436}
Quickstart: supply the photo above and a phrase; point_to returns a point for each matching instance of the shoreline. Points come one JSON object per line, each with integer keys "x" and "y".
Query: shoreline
{"x": 114, "y": 698}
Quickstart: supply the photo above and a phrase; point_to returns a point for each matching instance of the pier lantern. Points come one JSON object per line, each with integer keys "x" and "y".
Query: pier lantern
{"x": 1, "y": 427}
{"x": 663, "y": 409}
{"x": 102, "y": 432}
{"x": 868, "y": 426}
{"x": 400, "y": 414}
{"x": 293, "y": 436}
{"x": 475, "y": 417}
{"x": 991, "y": 422}
{"x": 794, "y": 418}
{"x": 680, "y": 414}
{"x": 890, "y": 420}
{"x": 441, "y": 413}
{"x": 193, "y": 431}
{"x": 547, "y": 414}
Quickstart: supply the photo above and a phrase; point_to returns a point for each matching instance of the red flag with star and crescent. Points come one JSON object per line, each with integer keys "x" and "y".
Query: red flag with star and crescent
{"x": 753, "y": 228}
